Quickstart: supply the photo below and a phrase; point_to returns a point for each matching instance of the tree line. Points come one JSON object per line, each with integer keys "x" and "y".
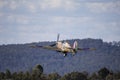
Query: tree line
{"x": 37, "y": 73}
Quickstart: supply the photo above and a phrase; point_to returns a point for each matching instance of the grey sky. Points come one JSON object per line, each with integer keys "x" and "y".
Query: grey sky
{"x": 24, "y": 21}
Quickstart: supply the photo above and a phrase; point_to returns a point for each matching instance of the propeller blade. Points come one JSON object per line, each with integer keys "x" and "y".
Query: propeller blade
{"x": 58, "y": 37}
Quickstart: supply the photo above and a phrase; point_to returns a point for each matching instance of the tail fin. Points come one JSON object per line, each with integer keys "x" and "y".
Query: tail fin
{"x": 75, "y": 46}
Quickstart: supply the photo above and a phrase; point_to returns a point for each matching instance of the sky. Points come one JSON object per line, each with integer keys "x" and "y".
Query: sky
{"x": 26, "y": 21}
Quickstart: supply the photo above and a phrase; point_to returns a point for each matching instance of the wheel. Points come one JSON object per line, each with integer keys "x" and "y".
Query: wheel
{"x": 64, "y": 55}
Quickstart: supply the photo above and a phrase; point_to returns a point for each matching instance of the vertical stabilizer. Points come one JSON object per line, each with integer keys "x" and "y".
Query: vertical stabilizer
{"x": 75, "y": 46}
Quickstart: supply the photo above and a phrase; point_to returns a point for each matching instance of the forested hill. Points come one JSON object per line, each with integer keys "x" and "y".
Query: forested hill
{"x": 21, "y": 57}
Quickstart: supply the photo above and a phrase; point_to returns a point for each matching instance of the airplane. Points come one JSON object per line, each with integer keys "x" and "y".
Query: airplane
{"x": 64, "y": 47}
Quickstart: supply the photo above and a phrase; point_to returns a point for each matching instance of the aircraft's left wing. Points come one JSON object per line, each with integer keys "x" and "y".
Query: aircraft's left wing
{"x": 86, "y": 49}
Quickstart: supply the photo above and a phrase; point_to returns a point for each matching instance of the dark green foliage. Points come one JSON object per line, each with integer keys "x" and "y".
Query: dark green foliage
{"x": 14, "y": 76}
{"x": 103, "y": 72}
{"x": 94, "y": 76}
{"x": 54, "y": 76}
{"x": 74, "y": 76}
{"x": 27, "y": 76}
{"x": 20, "y": 75}
{"x": 110, "y": 77}
{"x": 37, "y": 71}
{"x": 2, "y": 75}
{"x": 7, "y": 74}
{"x": 117, "y": 75}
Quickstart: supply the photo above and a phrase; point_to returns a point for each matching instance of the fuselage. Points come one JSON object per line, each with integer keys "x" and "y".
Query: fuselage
{"x": 65, "y": 47}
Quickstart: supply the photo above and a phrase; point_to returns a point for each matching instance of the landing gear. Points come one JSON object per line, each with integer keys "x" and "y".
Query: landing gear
{"x": 64, "y": 54}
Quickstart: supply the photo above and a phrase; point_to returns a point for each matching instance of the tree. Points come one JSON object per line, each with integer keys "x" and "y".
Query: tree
{"x": 94, "y": 76}
{"x": 109, "y": 77}
{"x": 2, "y": 75}
{"x": 14, "y": 76}
{"x": 8, "y": 74}
{"x": 44, "y": 77}
{"x": 116, "y": 75}
{"x": 26, "y": 76}
{"x": 103, "y": 72}
{"x": 74, "y": 76}
{"x": 37, "y": 71}
{"x": 20, "y": 75}
{"x": 54, "y": 76}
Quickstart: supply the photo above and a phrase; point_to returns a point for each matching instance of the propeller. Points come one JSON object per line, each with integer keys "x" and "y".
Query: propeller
{"x": 58, "y": 37}
{"x": 56, "y": 41}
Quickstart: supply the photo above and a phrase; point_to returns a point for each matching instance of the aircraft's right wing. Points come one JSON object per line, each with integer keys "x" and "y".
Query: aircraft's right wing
{"x": 46, "y": 47}
{"x": 50, "y": 48}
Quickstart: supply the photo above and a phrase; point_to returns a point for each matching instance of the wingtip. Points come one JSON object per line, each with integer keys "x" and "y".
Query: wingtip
{"x": 93, "y": 49}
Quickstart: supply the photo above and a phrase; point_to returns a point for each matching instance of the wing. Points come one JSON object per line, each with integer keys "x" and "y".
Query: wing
{"x": 46, "y": 47}
{"x": 50, "y": 48}
{"x": 86, "y": 49}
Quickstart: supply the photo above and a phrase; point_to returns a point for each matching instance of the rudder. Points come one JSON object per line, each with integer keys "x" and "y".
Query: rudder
{"x": 75, "y": 46}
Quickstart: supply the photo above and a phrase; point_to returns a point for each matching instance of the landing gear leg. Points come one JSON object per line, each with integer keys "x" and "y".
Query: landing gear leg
{"x": 64, "y": 54}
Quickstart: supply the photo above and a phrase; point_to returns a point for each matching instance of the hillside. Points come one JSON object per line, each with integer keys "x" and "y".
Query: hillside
{"x": 21, "y": 57}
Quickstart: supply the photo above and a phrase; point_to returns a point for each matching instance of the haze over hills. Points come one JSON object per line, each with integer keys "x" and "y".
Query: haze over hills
{"x": 21, "y": 57}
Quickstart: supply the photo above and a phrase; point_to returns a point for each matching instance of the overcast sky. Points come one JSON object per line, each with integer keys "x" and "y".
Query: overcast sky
{"x": 25, "y": 21}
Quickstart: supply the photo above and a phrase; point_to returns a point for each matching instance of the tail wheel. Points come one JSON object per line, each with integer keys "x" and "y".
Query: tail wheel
{"x": 75, "y": 51}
